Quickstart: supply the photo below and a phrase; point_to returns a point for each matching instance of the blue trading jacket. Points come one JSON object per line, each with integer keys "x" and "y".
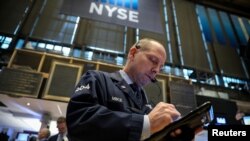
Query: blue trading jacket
{"x": 104, "y": 107}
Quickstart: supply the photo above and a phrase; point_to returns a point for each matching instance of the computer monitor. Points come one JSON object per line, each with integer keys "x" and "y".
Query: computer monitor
{"x": 246, "y": 120}
{"x": 221, "y": 120}
{"x": 22, "y": 136}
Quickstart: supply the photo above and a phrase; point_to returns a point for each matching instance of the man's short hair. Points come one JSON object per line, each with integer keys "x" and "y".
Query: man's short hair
{"x": 61, "y": 119}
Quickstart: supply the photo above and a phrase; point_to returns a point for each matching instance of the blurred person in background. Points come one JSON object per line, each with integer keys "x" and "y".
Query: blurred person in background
{"x": 62, "y": 130}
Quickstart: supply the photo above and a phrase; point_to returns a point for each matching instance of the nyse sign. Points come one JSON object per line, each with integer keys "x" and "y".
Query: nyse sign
{"x": 120, "y": 13}
{"x": 142, "y": 14}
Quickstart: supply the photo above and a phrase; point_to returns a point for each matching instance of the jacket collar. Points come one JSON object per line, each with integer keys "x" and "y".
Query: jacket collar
{"x": 124, "y": 86}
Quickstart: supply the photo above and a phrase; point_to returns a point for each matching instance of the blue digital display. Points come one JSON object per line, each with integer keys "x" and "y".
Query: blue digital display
{"x": 246, "y": 120}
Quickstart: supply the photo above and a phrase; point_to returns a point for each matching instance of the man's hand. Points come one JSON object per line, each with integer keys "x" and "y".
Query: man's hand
{"x": 162, "y": 115}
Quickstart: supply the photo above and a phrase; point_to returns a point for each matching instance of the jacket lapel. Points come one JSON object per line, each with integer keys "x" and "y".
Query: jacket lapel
{"x": 123, "y": 86}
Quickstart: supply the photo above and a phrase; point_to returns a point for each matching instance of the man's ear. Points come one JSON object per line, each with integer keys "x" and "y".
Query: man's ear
{"x": 132, "y": 52}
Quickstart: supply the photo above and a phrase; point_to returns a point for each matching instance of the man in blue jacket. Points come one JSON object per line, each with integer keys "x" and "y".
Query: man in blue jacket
{"x": 104, "y": 107}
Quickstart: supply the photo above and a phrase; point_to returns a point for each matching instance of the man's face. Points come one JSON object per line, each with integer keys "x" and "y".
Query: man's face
{"x": 146, "y": 64}
{"x": 62, "y": 128}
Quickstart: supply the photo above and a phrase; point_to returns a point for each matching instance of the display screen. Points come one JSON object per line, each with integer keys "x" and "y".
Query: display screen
{"x": 246, "y": 120}
{"x": 221, "y": 120}
{"x": 24, "y": 136}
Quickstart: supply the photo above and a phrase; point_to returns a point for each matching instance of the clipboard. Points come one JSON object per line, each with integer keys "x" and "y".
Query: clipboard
{"x": 198, "y": 117}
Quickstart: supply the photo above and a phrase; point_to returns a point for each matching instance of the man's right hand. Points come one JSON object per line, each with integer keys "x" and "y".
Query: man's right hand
{"x": 162, "y": 115}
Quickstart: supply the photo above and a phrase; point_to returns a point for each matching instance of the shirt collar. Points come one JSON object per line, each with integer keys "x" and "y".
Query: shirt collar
{"x": 126, "y": 77}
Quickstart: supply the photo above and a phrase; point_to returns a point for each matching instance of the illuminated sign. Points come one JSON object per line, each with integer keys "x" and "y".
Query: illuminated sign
{"x": 142, "y": 14}
{"x": 115, "y": 11}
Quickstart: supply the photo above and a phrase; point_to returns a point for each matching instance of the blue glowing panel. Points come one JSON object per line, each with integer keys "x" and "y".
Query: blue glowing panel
{"x": 228, "y": 29}
{"x": 217, "y": 26}
{"x": 204, "y": 22}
